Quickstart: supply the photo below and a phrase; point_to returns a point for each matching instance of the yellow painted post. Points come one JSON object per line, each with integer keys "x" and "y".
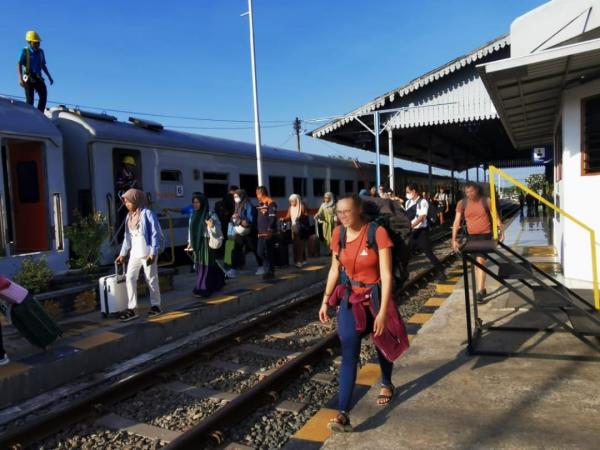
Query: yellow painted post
{"x": 494, "y": 170}
{"x": 492, "y": 178}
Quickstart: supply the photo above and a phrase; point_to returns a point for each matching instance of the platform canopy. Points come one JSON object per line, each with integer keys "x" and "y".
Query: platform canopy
{"x": 527, "y": 90}
{"x": 444, "y": 117}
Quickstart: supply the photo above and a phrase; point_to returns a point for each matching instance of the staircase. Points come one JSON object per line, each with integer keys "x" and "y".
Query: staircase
{"x": 567, "y": 309}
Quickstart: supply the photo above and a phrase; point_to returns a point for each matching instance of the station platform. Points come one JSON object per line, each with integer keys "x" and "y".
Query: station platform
{"x": 91, "y": 343}
{"x": 546, "y": 395}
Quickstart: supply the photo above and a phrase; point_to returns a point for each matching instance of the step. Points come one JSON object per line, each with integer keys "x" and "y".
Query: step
{"x": 515, "y": 271}
{"x": 583, "y": 323}
{"x": 552, "y": 297}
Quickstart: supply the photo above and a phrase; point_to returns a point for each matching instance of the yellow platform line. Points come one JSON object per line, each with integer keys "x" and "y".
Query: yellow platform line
{"x": 368, "y": 374}
{"x": 315, "y": 430}
{"x": 97, "y": 340}
{"x": 420, "y": 318}
{"x": 221, "y": 299}
{"x": 13, "y": 369}
{"x": 169, "y": 317}
{"x": 434, "y": 302}
{"x": 444, "y": 288}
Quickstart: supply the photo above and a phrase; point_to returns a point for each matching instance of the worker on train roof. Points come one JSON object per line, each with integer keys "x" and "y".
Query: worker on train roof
{"x": 32, "y": 62}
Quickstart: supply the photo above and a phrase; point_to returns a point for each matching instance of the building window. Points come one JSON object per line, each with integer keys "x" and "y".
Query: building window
{"x": 590, "y": 136}
{"x": 249, "y": 183}
{"x": 215, "y": 184}
{"x": 171, "y": 176}
{"x": 361, "y": 186}
{"x": 334, "y": 187}
{"x": 300, "y": 186}
{"x": 277, "y": 186}
{"x": 349, "y": 186}
{"x": 318, "y": 187}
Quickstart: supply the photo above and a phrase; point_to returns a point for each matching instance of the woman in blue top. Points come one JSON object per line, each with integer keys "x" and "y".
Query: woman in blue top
{"x": 143, "y": 240}
{"x": 205, "y": 228}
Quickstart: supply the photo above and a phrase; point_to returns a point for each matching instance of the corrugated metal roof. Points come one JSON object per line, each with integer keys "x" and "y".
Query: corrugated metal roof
{"x": 466, "y": 111}
{"x": 527, "y": 90}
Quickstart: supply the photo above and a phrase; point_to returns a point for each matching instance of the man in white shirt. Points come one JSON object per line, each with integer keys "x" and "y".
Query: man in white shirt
{"x": 417, "y": 209}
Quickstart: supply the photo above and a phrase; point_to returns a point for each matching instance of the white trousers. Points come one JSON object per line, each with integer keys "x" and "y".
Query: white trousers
{"x": 131, "y": 279}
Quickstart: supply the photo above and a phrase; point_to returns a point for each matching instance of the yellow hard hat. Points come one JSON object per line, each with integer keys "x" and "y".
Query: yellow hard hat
{"x": 32, "y": 36}
{"x": 130, "y": 160}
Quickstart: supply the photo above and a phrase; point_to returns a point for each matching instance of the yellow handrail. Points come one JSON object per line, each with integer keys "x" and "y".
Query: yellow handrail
{"x": 494, "y": 170}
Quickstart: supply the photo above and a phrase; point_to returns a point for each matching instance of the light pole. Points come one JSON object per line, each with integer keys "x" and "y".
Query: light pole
{"x": 259, "y": 171}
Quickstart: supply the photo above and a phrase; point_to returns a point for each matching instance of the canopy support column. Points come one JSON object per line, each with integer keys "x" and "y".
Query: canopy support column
{"x": 429, "y": 171}
{"x": 391, "y": 158}
{"x": 377, "y": 154}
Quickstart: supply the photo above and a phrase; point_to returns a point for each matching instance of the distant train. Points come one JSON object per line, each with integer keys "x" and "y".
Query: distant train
{"x": 69, "y": 159}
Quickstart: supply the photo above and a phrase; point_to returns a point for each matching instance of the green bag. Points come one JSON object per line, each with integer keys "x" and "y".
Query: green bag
{"x": 34, "y": 323}
{"x": 229, "y": 244}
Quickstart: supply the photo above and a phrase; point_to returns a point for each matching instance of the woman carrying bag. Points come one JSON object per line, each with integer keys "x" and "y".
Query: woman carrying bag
{"x": 204, "y": 238}
{"x": 326, "y": 217}
{"x": 359, "y": 285}
{"x": 300, "y": 228}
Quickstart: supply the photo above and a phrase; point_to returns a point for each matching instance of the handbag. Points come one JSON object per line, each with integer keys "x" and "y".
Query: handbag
{"x": 215, "y": 242}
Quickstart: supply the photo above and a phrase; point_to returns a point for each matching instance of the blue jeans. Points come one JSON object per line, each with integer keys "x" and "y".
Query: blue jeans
{"x": 350, "y": 341}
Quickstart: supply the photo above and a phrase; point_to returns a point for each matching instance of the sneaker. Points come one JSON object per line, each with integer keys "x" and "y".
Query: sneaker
{"x": 303, "y": 263}
{"x": 268, "y": 276}
{"x": 441, "y": 276}
{"x": 260, "y": 271}
{"x": 4, "y": 360}
{"x": 127, "y": 315}
{"x": 480, "y": 296}
{"x": 154, "y": 311}
{"x": 231, "y": 273}
{"x": 298, "y": 265}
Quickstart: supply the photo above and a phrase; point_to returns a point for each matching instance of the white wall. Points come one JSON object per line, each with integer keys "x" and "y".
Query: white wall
{"x": 579, "y": 194}
{"x": 552, "y": 23}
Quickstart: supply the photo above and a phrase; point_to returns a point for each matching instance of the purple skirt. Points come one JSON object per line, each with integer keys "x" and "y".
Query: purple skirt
{"x": 209, "y": 279}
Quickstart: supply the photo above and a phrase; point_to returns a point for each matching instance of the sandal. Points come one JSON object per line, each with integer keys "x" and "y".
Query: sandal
{"x": 385, "y": 399}
{"x": 340, "y": 423}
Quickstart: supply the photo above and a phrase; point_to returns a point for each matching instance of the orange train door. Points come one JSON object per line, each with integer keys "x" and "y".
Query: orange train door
{"x": 28, "y": 197}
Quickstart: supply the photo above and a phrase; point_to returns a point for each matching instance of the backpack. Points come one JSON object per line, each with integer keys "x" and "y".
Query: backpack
{"x": 400, "y": 251}
{"x": 431, "y": 214}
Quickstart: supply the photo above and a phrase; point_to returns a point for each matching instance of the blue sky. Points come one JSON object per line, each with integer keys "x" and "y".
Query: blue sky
{"x": 315, "y": 58}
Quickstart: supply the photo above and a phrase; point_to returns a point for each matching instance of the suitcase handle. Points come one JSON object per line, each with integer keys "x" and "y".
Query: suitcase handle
{"x": 117, "y": 269}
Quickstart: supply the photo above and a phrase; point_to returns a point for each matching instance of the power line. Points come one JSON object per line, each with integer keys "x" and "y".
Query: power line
{"x": 183, "y": 127}
{"x": 139, "y": 113}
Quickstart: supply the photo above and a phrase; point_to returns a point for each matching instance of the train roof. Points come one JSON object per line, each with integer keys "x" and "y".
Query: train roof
{"x": 18, "y": 119}
{"x": 106, "y": 128}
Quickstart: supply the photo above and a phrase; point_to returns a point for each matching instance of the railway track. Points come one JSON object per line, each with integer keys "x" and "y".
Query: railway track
{"x": 210, "y": 389}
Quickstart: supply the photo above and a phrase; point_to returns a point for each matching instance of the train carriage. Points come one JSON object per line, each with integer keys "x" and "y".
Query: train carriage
{"x": 32, "y": 189}
{"x": 170, "y": 165}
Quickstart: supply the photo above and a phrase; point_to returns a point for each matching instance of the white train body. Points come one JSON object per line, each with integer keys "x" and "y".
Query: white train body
{"x": 172, "y": 165}
{"x": 32, "y": 192}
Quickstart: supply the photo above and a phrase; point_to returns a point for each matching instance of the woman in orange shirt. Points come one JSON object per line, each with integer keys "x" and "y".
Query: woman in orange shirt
{"x": 366, "y": 304}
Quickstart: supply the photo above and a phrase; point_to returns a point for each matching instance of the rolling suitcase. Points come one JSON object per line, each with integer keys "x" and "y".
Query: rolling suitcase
{"x": 33, "y": 323}
{"x": 113, "y": 293}
{"x": 281, "y": 256}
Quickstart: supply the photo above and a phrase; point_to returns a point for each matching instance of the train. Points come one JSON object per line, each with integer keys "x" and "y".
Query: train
{"x": 68, "y": 159}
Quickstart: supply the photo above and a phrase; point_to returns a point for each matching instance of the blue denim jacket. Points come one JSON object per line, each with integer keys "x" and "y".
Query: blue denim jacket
{"x": 150, "y": 228}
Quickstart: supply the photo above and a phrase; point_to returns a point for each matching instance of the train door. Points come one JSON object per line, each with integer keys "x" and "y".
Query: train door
{"x": 25, "y": 196}
{"x": 127, "y": 174}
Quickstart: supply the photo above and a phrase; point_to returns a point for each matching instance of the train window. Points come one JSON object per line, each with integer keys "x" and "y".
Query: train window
{"x": 171, "y": 176}
{"x": 27, "y": 180}
{"x": 215, "y": 184}
{"x": 277, "y": 186}
{"x": 300, "y": 186}
{"x": 590, "y": 135}
{"x": 249, "y": 183}
{"x": 318, "y": 187}
{"x": 349, "y": 186}
{"x": 334, "y": 187}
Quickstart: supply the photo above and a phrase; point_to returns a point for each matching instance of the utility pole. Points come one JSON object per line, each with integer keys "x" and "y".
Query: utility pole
{"x": 297, "y": 129}
{"x": 259, "y": 170}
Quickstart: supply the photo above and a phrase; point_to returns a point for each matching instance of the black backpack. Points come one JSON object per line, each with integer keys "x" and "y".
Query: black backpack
{"x": 411, "y": 212}
{"x": 463, "y": 226}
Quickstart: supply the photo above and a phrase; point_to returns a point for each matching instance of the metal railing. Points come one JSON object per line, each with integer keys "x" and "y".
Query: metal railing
{"x": 495, "y": 171}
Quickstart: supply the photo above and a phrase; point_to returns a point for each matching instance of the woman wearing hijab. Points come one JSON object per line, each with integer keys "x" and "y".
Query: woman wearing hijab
{"x": 326, "y": 217}
{"x": 297, "y": 216}
{"x": 204, "y": 229}
{"x": 142, "y": 240}
{"x": 242, "y": 230}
